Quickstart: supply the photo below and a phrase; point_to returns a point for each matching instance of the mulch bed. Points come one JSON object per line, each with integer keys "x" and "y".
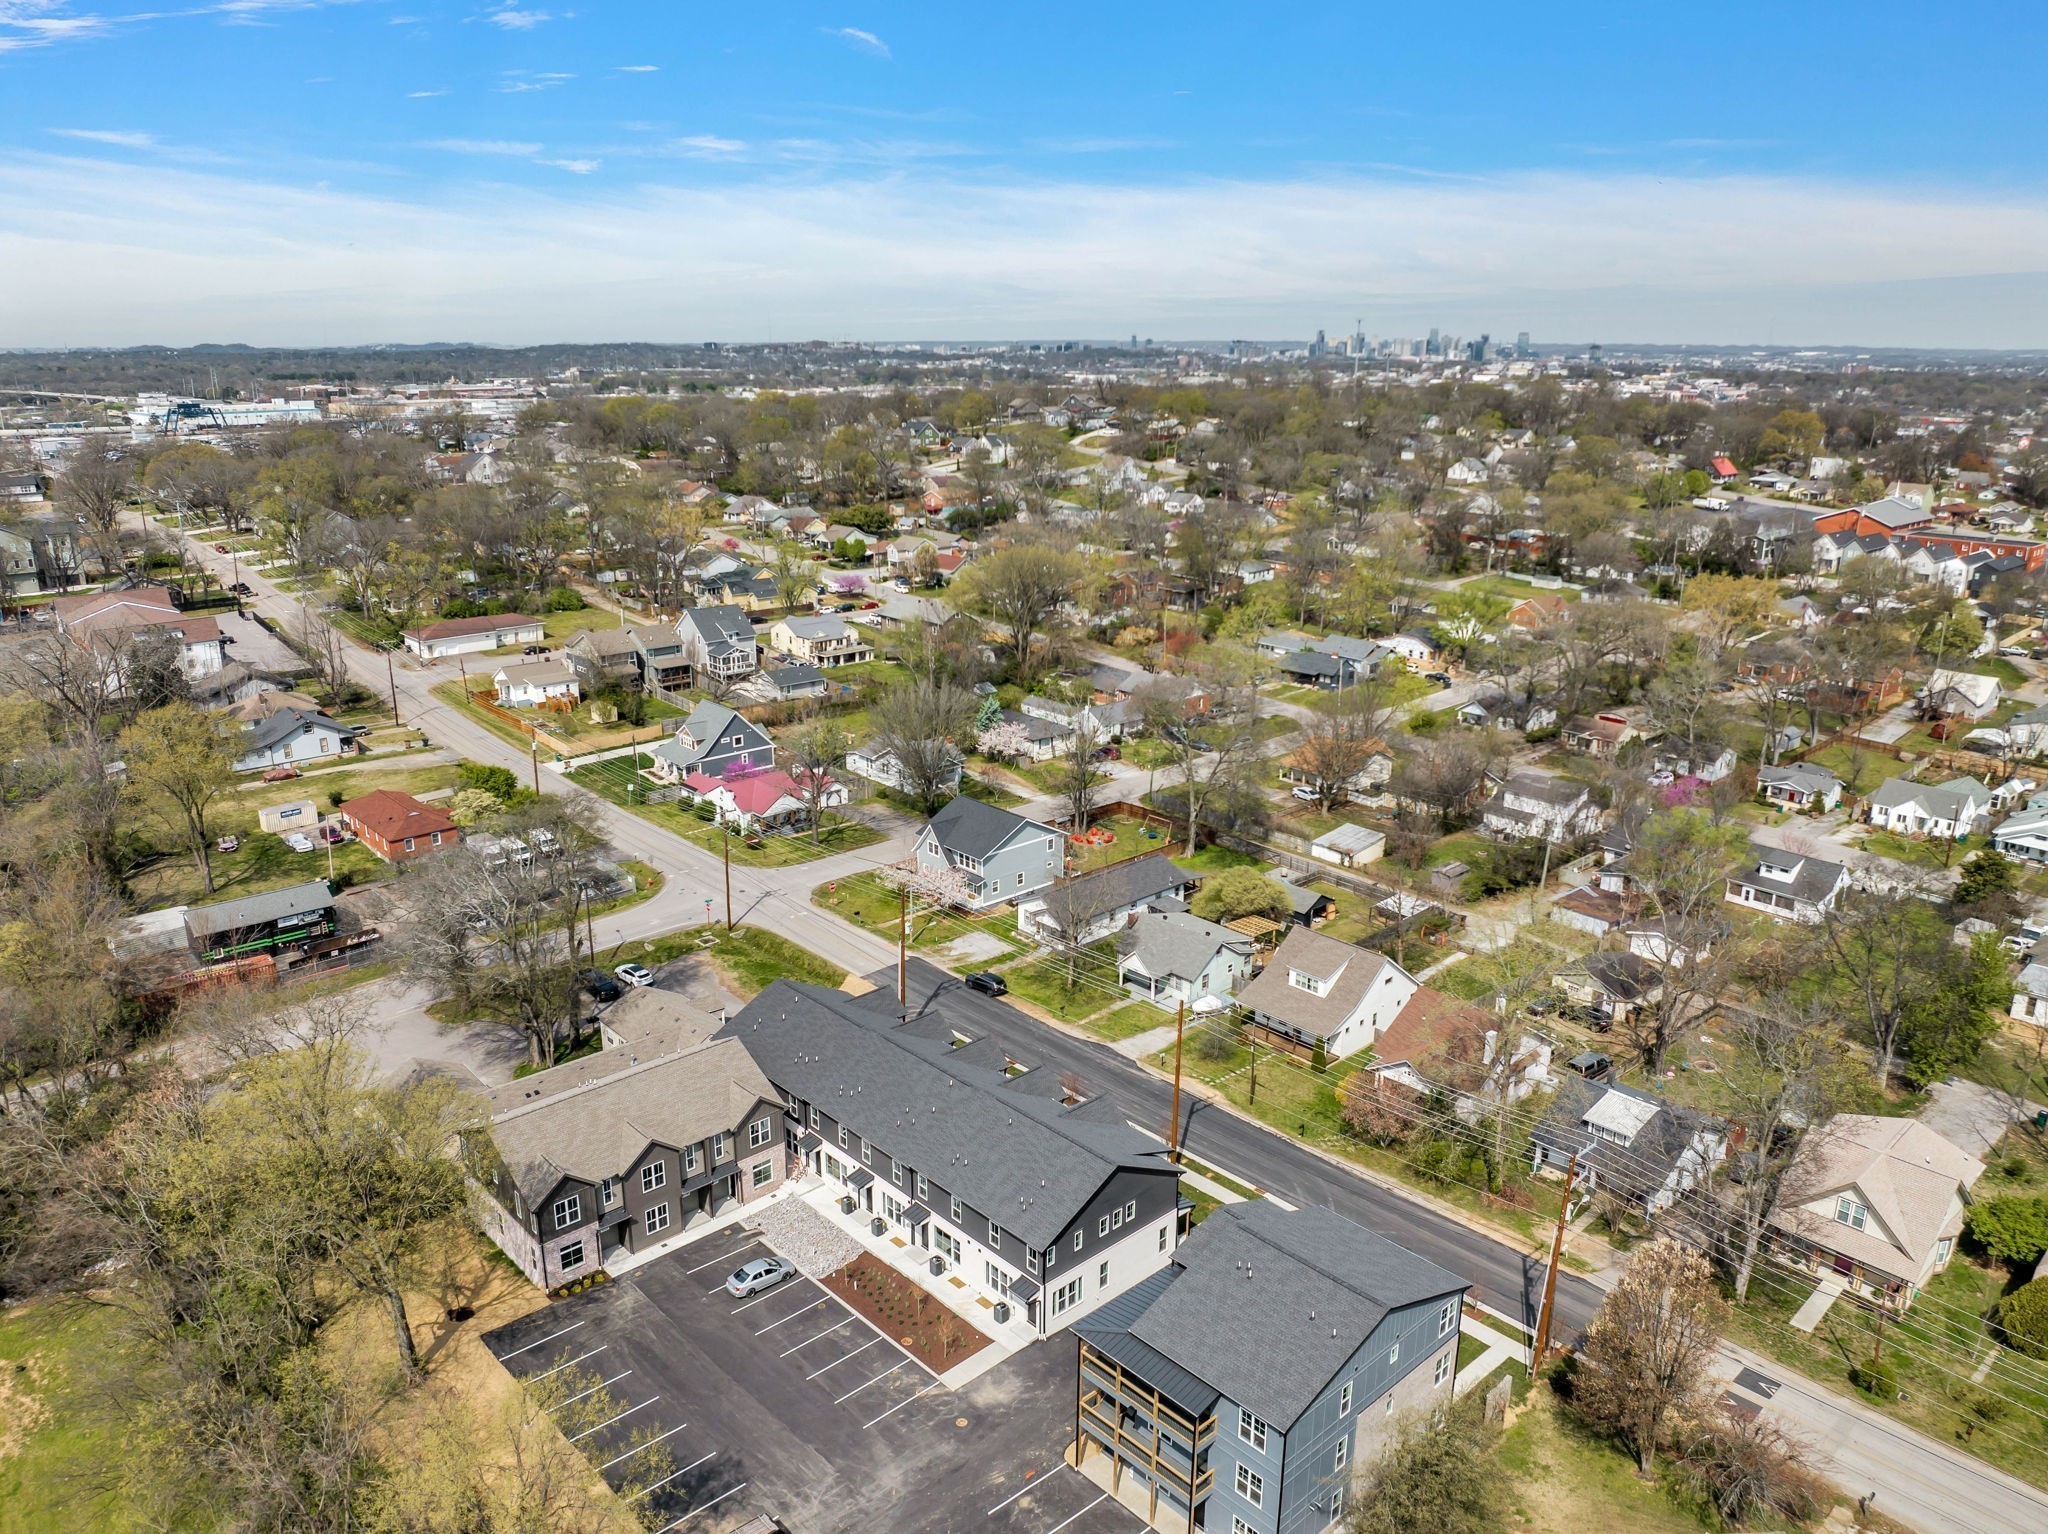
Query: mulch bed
{"x": 928, "y": 1331}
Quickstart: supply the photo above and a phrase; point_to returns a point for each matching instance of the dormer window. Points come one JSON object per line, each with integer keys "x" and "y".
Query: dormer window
{"x": 1302, "y": 980}
{"x": 1850, "y": 1213}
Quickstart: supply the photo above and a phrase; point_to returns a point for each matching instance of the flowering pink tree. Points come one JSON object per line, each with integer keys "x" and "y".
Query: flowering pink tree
{"x": 849, "y": 583}
{"x": 930, "y": 890}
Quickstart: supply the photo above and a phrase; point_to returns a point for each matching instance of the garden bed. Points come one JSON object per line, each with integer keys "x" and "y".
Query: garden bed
{"x": 920, "y": 1324}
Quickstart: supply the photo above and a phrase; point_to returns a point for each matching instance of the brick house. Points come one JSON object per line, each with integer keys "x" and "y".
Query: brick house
{"x": 398, "y": 827}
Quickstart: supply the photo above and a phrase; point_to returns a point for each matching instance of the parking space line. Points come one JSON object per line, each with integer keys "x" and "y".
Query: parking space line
{"x": 550, "y": 1337}
{"x": 647, "y": 1445}
{"x": 756, "y": 1300}
{"x": 803, "y": 1310}
{"x": 707, "y": 1507}
{"x": 860, "y": 1387}
{"x": 693, "y": 1464}
{"x": 828, "y": 1331}
{"x": 842, "y": 1359}
{"x": 593, "y": 1390}
{"x": 528, "y": 1379}
{"x": 728, "y": 1257}
{"x": 1055, "y": 1529}
{"x": 934, "y": 1385}
{"x": 1030, "y": 1484}
{"x": 610, "y": 1420}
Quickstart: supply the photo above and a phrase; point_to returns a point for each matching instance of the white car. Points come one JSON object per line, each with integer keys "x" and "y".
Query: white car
{"x": 761, "y": 1273}
{"x": 298, "y": 841}
{"x": 1304, "y": 793}
{"x": 634, "y": 974}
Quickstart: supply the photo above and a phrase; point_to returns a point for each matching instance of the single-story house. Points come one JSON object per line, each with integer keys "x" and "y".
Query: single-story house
{"x": 779, "y": 684}
{"x": 1600, "y": 735}
{"x": 1318, "y": 991}
{"x": 1647, "y": 1151}
{"x": 1092, "y": 906}
{"x": 472, "y": 636}
{"x": 2030, "y": 993}
{"x": 1612, "y": 987}
{"x": 536, "y": 684}
{"x": 1374, "y": 771}
{"x": 1959, "y": 694}
{"x": 2024, "y": 833}
{"x": 875, "y": 761}
{"x": 398, "y": 827}
{"x": 289, "y": 738}
{"x": 1799, "y": 786}
{"x": 1708, "y": 761}
{"x": 761, "y": 801}
{"x": 1438, "y": 1040}
{"x": 1177, "y": 959}
{"x": 1949, "y": 811}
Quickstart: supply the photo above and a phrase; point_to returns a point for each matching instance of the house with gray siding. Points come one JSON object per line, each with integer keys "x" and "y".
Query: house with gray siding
{"x": 1093, "y": 906}
{"x": 1000, "y": 856}
{"x": 718, "y": 643}
{"x": 1175, "y": 959}
{"x": 1239, "y": 1386}
{"x": 713, "y": 740}
{"x": 1032, "y": 1196}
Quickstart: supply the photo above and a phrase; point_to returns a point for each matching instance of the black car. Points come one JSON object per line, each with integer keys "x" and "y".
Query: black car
{"x": 600, "y": 985}
{"x": 988, "y": 983}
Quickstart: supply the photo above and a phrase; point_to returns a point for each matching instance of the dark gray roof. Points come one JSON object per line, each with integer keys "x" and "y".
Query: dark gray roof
{"x": 1267, "y": 1304}
{"x": 1311, "y": 663}
{"x": 719, "y": 623}
{"x": 1175, "y": 943}
{"x": 1023, "y": 1159}
{"x": 975, "y": 829}
{"x": 1117, "y": 887}
{"x": 783, "y": 678}
{"x": 286, "y": 723}
{"x": 1812, "y": 878}
{"x": 1625, "y": 976}
{"x": 1106, "y": 1329}
{"x": 1637, "y": 1169}
{"x": 259, "y": 910}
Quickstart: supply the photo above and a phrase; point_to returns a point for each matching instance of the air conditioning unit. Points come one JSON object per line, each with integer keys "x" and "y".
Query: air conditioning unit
{"x": 846, "y": 1204}
{"x": 877, "y": 1225}
{"x": 1002, "y": 1311}
{"x": 938, "y": 1263}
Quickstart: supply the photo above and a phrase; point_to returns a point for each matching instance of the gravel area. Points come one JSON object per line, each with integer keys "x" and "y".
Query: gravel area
{"x": 805, "y": 1237}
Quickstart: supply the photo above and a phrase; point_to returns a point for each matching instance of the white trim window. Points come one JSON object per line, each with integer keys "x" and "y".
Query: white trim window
{"x": 1251, "y": 1430}
{"x": 1239, "y": 1526}
{"x": 655, "y": 1221}
{"x": 653, "y": 1175}
{"x": 1342, "y": 1457}
{"x": 1251, "y": 1486}
{"x": 568, "y": 1211}
{"x": 1102, "y": 1276}
{"x": 690, "y": 1155}
{"x": 1443, "y": 1366}
{"x": 758, "y": 1132}
{"x": 1344, "y": 1399}
{"x": 718, "y": 1148}
{"x": 1131, "y": 1212}
{"x": 1446, "y": 1319}
{"x": 1394, "y": 1353}
{"x": 1850, "y": 1212}
{"x": 1101, "y": 1229}
{"x": 995, "y": 1237}
{"x": 764, "y": 1173}
{"x": 608, "y": 1192}
{"x": 1066, "y": 1297}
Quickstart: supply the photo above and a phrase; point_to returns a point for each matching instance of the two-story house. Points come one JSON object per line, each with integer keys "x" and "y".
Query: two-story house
{"x": 1873, "y": 1205}
{"x": 546, "y": 683}
{"x": 1240, "y": 1386}
{"x": 999, "y": 856}
{"x": 1647, "y": 1151}
{"x": 823, "y": 640}
{"x": 1037, "y": 1199}
{"x": 1785, "y": 885}
{"x": 1178, "y": 959}
{"x": 713, "y": 740}
{"x": 113, "y": 621}
{"x": 1318, "y": 991}
{"x": 625, "y": 1151}
{"x": 1093, "y": 906}
{"x": 718, "y": 644}
{"x": 1536, "y": 805}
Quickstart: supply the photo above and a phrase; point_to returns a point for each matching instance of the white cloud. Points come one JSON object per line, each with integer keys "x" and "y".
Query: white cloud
{"x": 708, "y": 146}
{"x": 517, "y": 20}
{"x": 1585, "y": 257}
{"x": 484, "y": 146}
{"x": 639, "y": 69}
{"x": 119, "y": 138}
{"x": 574, "y": 167}
{"x": 866, "y": 41}
{"x": 426, "y": 95}
{"x": 1101, "y": 145}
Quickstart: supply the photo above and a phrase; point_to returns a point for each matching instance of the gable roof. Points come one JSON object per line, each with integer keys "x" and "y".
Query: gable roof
{"x": 536, "y": 673}
{"x": 723, "y": 625}
{"x": 1812, "y": 879}
{"x": 457, "y": 628}
{"x": 1804, "y": 777}
{"x": 1267, "y": 1304}
{"x": 1423, "y": 1031}
{"x": 285, "y": 723}
{"x": 1658, "y": 1133}
{"x": 1907, "y": 1174}
{"x": 815, "y": 626}
{"x": 1020, "y": 1156}
{"x": 1176, "y": 943}
{"x": 972, "y": 829}
{"x": 1115, "y": 887}
{"x": 1957, "y": 798}
{"x": 237, "y": 915}
{"x": 1348, "y": 973}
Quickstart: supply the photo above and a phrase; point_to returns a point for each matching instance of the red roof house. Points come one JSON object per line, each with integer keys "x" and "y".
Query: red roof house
{"x": 398, "y": 827}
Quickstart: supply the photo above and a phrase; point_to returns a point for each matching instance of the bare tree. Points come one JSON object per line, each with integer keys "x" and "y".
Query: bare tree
{"x": 1643, "y": 1367}
{"x": 1022, "y": 587}
{"x": 1209, "y": 754}
{"x": 918, "y": 724}
{"x": 1681, "y": 861}
{"x": 1075, "y": 773}
{"x": 813, "y": 757}
{"x": 1339, "y": 743}
{"x": 94, "y": 488}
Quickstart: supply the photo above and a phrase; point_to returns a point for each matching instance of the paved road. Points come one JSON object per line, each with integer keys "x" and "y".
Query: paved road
{"x": 1919, "y": 1481}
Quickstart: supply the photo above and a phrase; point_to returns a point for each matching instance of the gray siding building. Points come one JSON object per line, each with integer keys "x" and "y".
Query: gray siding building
{"x": 1241, "y": 1385}
{"x": 1000, "y": 856}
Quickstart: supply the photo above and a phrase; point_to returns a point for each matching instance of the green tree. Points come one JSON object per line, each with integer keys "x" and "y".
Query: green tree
{"x": 1021, "y": 586}
{"x": 1239, "y": 892}
{"x": 1988, "y": 875}
{"x": 870, "y": 517}
{"x": 1438, "y": 1472}
{"x": 1947, "y": 1027}
{"x": 2012, "y": 1227}
{"x": 2023, "y": 1317}
{"x": 180, "y": 761}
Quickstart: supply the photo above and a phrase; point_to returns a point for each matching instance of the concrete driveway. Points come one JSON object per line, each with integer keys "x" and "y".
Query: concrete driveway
{"x": 1967, "y": 1114}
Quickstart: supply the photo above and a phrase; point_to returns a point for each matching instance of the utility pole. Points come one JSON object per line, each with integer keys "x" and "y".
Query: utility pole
{"x": 1251, "y": 1037}
{"x": 903, "y": 946}
{"x": 726, "y": 826}
{"x": 1571, "y": 1179}
{"x": 391, "y": 680}
{"x": 533, "y": 748}
{"x": 1180, "y": 1021}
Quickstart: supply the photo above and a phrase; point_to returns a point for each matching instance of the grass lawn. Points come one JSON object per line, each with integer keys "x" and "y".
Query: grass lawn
{"x": 1128, "y": 1021}
{"x": 647, "y": 882}
{"x": 1467, "y": 847}
{"x": 2007, "y": 673}
{"x": 989, "y": 793}
{"x": 262, "y": 862}
{"x": 1214, "y": 859}
{"x": 1511, "y": 967}
{"x": 1566, "y": 1481}
{"x": 1043, "y": 982}
{"x": 1843, "y": 760}
{"x": 875, "y": 675}
{"x": 56, "y": 1443}
{"x": 1927, "y": 852}
{"x": 1512, "y": 589}
{"x": 340, "y": 784}
{"x": 867, "y": 902}
{"x": 561, "y": 627}
{"x": 784, "y": 851}
{"x": 1132, "y": 838}
{"x": 748, "y": 958}
{"x": 1354, "y": 919}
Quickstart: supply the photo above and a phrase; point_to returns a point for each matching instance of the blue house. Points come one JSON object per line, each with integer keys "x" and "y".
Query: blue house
{"x": 1242, "y": 1384}
{"x": 713, "y": 740}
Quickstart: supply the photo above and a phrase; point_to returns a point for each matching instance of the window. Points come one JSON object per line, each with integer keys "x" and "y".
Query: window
{"x": 953, "y": 1208}
{"x": 1251, "y": 1430}
{"x": 842, "y": 1137}
{"x": 1390, "y": 1403}
{"x": 1942, "y": 1249}
{"x": 1394, "y": 1353}
{"x": 1030, "y": 1262}
{"x": 1131, "y": 1210}
{"x": 1443, "y": 1367}
{"x": 690, "y": 1154}
{"x": 947, "y": 1245}
{"x": 923, "y": 1188}
{"x": 571, "y": 1256}
{"x": 1239, "y": 1526}
{"x": 437, "y": 838}
{"x": 867, "y": 1154}
{"x": 757, "y": 1134}
{"x": 1445, "y": 1318}
{"x": 1344, "y": 1399}
{"x": 1101, "y": 1229}
{"x": 896, "y": 1171}
{"x": 813, "y": 1116}
{"x": 1342, "y": 1456}
{"x": 1102, "y": 1276}
{"x": 1850, "y": 1213}
{"x": 653, "y": 1175}
{"x": 1116, "y": 1219}
{"x": 718, "y": 1147}
{"x": 1251, "y": 1486}
{"x": 1020, "y": 881}
{"x": 764, "y": 1173}
{"x": 1302, "y": 980}
{"x": 1077, "y": 1241}
{"x": 1165, "y": 1233}
{"x": 568, "y": 1211}
{"x": 1066, "y": 1296}
{"x": 608, "y": 1192}
{"x": 995, "y": 1236}
{"x": 656, "y": 1219}
{"x": 408, "y": 844}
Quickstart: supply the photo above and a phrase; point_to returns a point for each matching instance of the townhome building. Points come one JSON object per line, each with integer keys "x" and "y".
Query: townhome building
{"x": 1318, "y": 993}
{"x": 718, "y": 644}
{"x": 996, "y": 855}
{"x": 620, "y": 1154}
{"x": 1239, "y": 1387}
{"x": 1041, "y": 1200}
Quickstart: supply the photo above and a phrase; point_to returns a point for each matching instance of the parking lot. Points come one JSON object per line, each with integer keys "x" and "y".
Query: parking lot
{"x": 787, "y": 1403}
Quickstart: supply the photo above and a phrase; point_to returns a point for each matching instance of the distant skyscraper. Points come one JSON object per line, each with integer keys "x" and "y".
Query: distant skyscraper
{"x": 1432, "y": 341}
{"x": 1522, "y": 344}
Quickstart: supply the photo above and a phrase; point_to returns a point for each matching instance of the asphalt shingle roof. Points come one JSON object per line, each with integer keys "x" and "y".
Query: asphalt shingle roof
{"x": 973, "y": 829}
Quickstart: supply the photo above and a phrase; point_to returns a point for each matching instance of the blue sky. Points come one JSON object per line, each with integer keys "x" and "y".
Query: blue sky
{"x": 305, "y": 171}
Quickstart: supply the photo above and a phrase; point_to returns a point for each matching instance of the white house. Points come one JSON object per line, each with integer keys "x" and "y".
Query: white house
{"x": 112, "y": 621}
{"x": 290, "y": 738}
{"x": 1349, "y": 846}
{"x": 821, "y": 640}
{"x": 2030, "y": 994}
{"x": 1949, "y": 811}
{"x": 1467, "y": 471}
{"x": 770, "y": 800}
{"x": 874, "y": 761}
{"x": 1786, "y": 886}
{"x": 1316, "y": 989}
{"x": 1176, "y": 959}
{"x": 1799, "y": 786}
{"x": 1959, "y": 694}
{"x": 2024, "y": 833}
{"x": 1093, "y": 906}
{"x": 534, "y": 683}
{"x": 1534, "y": 804}
{"x": 471, "y": 636}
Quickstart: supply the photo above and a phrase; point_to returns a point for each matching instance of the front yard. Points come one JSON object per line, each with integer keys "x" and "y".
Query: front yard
{"x": 1070, "y": 988}
{"x": 616, "y": 780}
{"x": 867, "y": 902}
